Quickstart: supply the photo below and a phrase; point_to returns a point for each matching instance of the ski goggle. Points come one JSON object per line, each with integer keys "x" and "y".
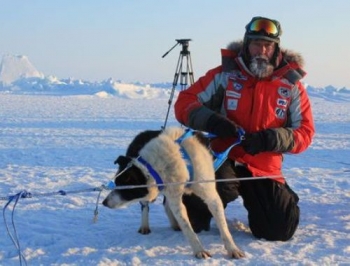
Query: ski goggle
{"x": 269, "y": 27}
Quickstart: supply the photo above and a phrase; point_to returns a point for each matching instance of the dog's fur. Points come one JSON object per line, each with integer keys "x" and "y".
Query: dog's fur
{"x": 198, "y": 214}
{"x": 164, "y": 155}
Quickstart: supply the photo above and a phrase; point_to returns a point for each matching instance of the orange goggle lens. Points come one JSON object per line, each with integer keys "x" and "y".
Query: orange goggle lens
{"x": 268, "y": 26}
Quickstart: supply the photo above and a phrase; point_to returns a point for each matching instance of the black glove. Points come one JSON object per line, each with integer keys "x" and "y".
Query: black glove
{"x": 254, "y": 143}
{"x": 221, "y": 126}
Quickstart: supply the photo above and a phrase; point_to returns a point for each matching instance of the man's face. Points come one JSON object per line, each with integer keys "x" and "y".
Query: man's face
{"x": 261, "y": 53}
{"x": 261, "y": 48}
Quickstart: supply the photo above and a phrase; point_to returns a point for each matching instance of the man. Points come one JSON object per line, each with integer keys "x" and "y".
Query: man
{"x": 257, "y": 88}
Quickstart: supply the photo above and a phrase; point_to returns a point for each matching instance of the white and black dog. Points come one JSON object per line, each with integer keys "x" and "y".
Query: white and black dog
{"x": 198, "y": 213}
{"x": 161, "y": 161}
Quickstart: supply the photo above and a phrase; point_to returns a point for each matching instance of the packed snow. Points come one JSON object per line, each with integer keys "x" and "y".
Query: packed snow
{"x": 59, "y": 139}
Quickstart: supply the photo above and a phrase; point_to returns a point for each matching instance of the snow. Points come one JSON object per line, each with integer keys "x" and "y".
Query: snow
{"x": 64, "y": 135}
{"x": 14, "y": 67}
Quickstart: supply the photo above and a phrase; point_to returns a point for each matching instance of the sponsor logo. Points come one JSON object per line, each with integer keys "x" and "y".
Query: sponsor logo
{"x": 280, "y": 113}
{"x": 282, "y": 102}
{"x": 233, "y": 94}
{"x": 237, "y": 86}
{"x": 284, "y": 92}
{"x": 237, "y": 75}
{"x": 232, "y": 104}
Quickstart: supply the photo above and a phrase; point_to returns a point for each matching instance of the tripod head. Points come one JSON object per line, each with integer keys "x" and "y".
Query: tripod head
{"x": 183, "y": 42}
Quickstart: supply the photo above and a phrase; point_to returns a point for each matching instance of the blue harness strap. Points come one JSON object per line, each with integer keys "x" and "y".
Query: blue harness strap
{"x": 153, "y": 172}
{"x": 220, "y": 157}
{"x": 188, "y": 133}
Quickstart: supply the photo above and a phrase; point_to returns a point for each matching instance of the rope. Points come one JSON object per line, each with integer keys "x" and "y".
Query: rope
{"x": 96, "y": 208}
{"x": 14, "y": 236}
{"x": 60, "y": 192}
{"x": 111, "y": 186}
{"x": 24, "y": 194}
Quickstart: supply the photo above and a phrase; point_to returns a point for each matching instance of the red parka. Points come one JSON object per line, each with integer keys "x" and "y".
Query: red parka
{"x": 279, "y": 103}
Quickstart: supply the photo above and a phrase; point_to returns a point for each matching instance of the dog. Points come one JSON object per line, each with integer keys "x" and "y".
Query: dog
{"x": 160, "y": 164}
{"x": 198, "y": 213}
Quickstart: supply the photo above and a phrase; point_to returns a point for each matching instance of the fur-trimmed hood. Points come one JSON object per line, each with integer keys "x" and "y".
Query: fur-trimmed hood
{"x": 288, "y": 55}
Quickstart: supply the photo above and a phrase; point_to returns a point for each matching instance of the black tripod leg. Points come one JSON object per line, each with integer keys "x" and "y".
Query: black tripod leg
{"x": 176, "y": 78}
{"x": 184, "y": 77}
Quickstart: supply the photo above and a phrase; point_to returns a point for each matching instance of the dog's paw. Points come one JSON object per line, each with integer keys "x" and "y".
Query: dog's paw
{"x": 203, "y": 254}
{"x": 236, "y": 254}
{"x": 144, "y": 230}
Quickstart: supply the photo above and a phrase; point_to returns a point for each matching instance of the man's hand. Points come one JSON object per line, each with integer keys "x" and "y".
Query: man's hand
{"x": 276, "y": 140}
{"x": 254, "y": 143}
{"x": 221, "y": 126}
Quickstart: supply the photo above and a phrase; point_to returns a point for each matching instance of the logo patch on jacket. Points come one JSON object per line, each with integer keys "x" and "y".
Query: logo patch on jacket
{"x": 284, "y": 92}
{"x": 237, "y": 86}
{"x": 232, "y": 104}
{"x": 233, "y": 94}
{"x": 280, "y": 113}
{"x": 282, "y": 102}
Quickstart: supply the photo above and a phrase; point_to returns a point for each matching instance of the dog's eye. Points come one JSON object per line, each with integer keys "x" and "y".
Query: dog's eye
{"x": 123, "y": 177}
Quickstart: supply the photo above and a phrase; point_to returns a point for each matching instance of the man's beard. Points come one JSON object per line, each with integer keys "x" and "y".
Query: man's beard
{"x": 260, "y": 66}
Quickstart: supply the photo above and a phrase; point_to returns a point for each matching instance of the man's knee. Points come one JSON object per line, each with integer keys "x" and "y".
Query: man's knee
{"x": 273, "y": 210}
{"x": 227, "y": 190}
{"x": 277, "y": 227}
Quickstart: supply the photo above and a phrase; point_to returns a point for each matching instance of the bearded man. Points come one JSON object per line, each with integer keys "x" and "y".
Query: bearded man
{"x": 256, "y": 88}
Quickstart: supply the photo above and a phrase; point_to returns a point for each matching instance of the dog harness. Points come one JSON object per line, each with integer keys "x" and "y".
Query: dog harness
{"x": 220, "y": 157}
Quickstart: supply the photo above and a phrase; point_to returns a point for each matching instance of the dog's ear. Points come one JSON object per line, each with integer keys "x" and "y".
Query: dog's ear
{"x": 122, "y": 160}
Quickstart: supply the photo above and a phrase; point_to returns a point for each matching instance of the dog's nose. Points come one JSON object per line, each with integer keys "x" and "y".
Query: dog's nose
{"x": 104, "y": 203}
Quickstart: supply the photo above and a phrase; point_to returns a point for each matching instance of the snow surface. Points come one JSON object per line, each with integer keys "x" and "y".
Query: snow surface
{"x": 64, "y": 135}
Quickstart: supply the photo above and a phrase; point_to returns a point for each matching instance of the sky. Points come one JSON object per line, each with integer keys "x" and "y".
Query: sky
{"x": 125, "y": 40}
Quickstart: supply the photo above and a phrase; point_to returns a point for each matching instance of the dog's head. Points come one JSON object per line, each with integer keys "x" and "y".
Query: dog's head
{"x": 128, "y": 175}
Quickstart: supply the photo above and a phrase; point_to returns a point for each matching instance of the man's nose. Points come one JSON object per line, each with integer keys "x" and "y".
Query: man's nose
{"x": 262, "y": 49}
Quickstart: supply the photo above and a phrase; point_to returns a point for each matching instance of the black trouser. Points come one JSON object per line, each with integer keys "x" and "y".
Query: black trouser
{"x": 272, "y": 208}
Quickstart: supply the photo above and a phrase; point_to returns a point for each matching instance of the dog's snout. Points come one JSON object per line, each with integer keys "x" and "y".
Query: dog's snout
{"x": 112, "y": 201}
{"x": 104, "y": 202}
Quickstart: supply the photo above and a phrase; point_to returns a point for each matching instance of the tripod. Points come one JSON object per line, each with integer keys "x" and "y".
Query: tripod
{"x": 184, "y": 74}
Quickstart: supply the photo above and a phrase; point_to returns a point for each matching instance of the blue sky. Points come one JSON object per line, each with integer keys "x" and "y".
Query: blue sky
{"x": 96, "y": 40}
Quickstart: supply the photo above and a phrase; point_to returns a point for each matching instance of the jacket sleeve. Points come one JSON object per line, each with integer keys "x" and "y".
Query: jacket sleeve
{"x": 200, "y": 101}
{"x": 299, "y": 131}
